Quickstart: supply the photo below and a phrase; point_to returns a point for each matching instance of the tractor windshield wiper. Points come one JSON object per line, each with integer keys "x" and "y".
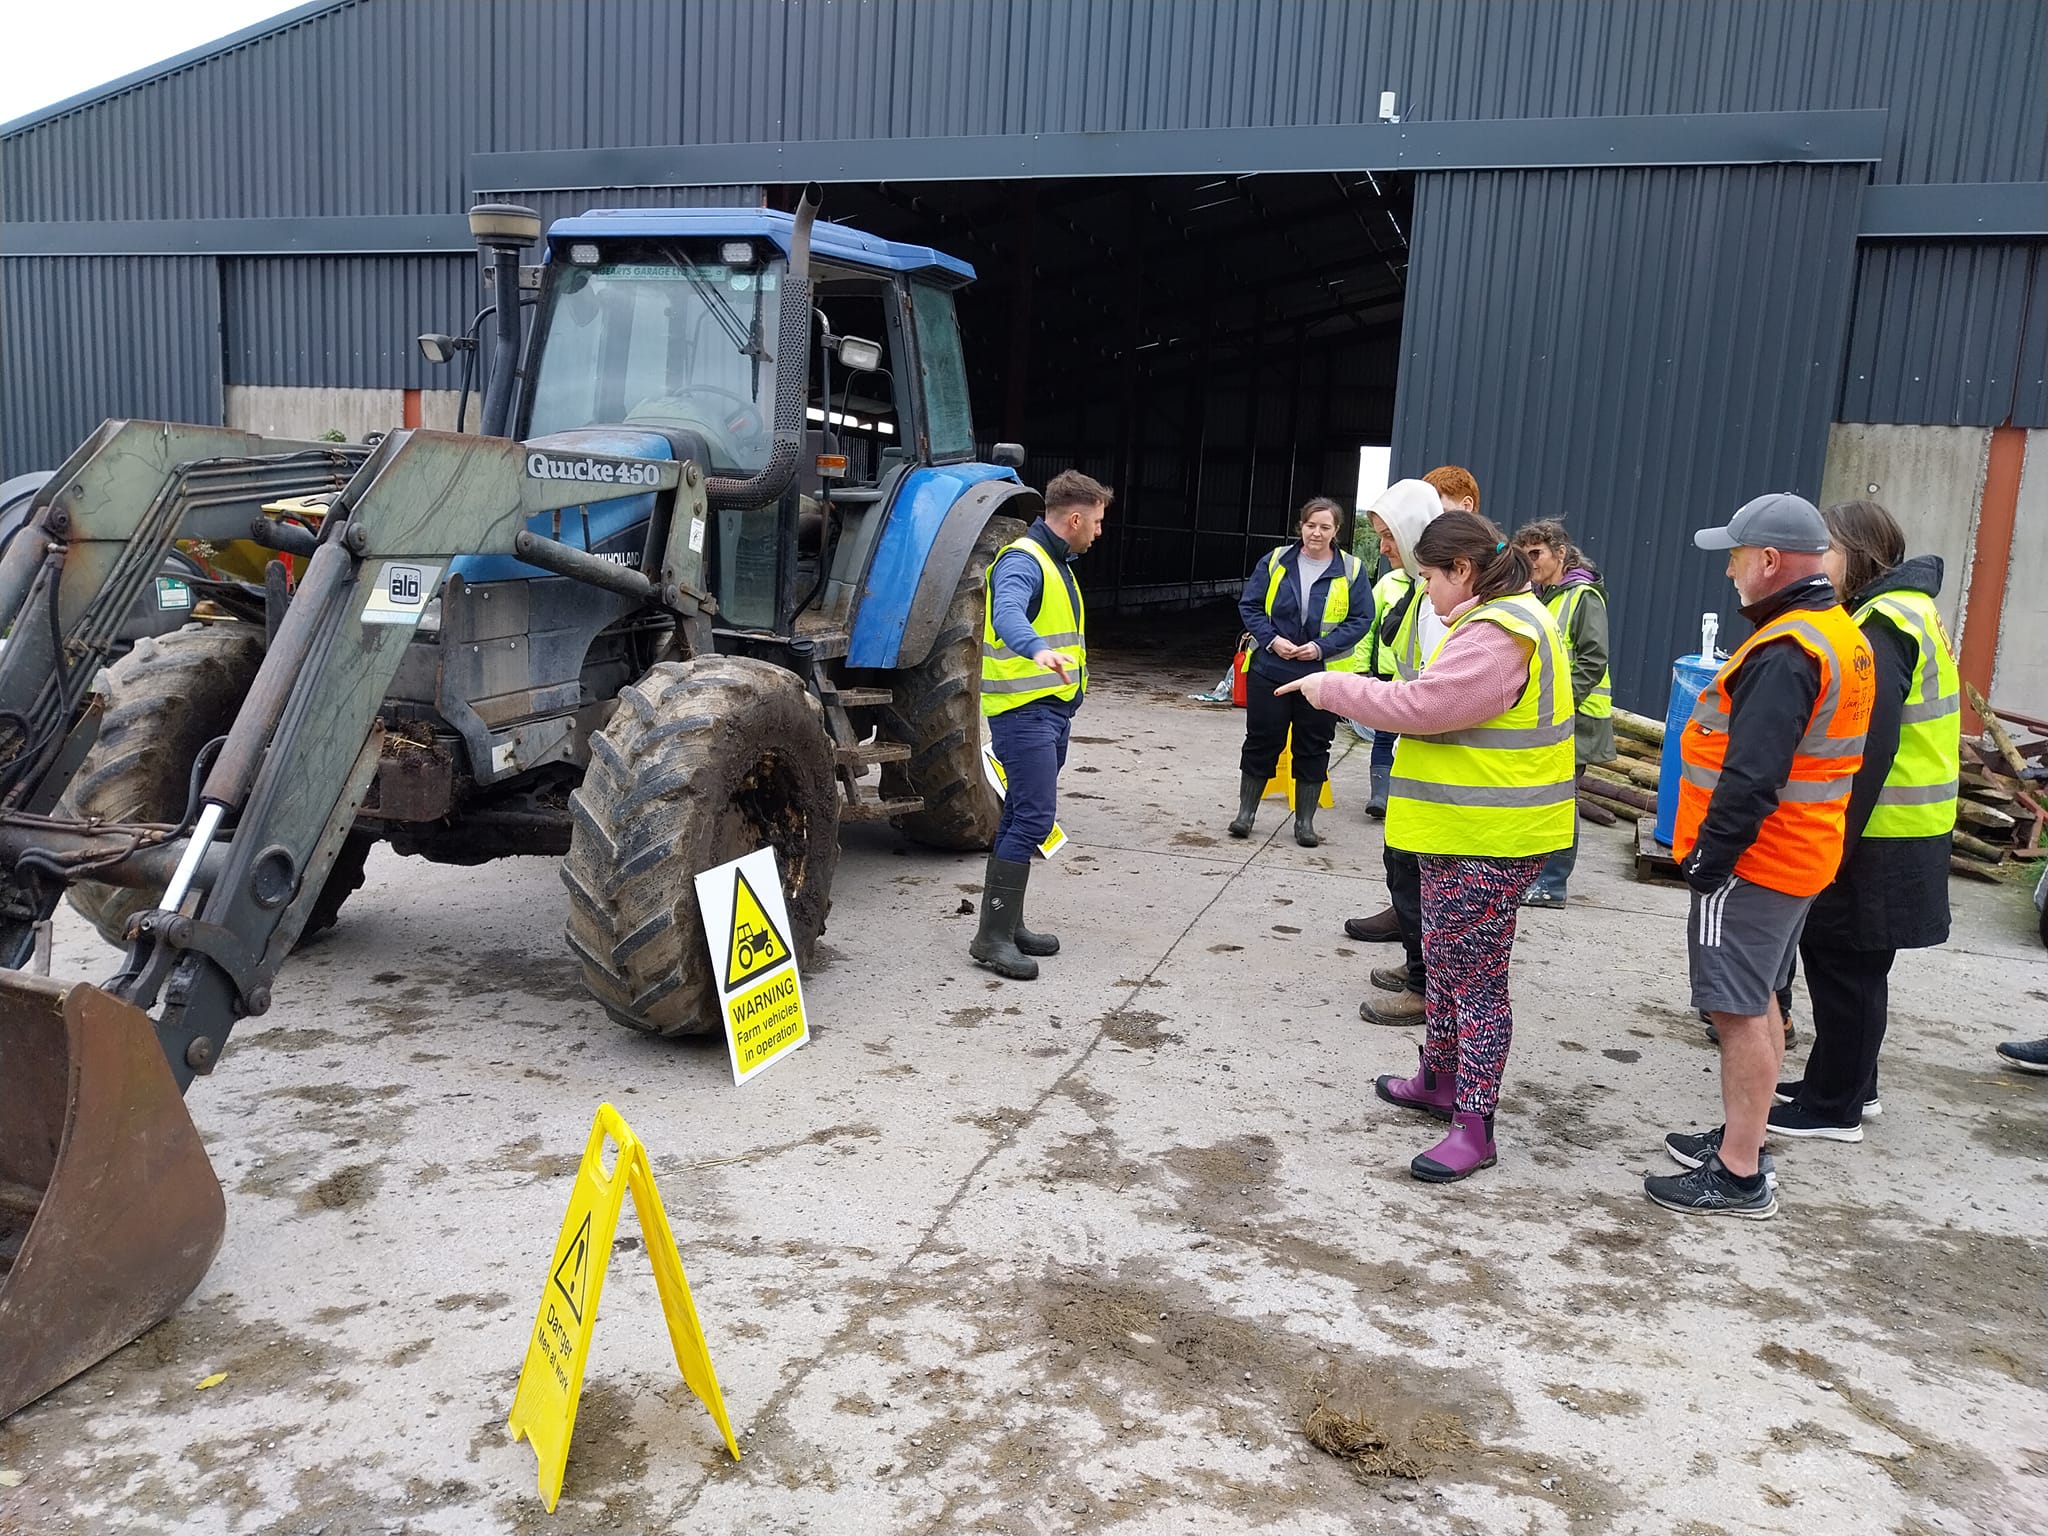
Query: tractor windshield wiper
{"x": 745, "y": 338}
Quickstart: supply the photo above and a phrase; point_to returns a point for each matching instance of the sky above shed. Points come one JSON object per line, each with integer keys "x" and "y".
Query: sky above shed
{"x": 53, "y": 52}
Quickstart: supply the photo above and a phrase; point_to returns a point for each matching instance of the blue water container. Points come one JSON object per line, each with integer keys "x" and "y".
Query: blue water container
{"x": 1689, "y": 678}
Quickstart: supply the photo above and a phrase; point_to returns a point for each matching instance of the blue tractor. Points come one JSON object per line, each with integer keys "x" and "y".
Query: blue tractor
{"x": 710, "y": 579}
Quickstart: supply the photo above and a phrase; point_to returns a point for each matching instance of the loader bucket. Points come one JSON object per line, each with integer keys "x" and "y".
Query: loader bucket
{"x": 110, "y": 1213}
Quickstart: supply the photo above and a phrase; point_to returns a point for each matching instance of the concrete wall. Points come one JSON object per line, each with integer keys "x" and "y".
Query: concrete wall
{"x": 288, "y": 411}
{"x": 1930, "y": 478}
{"x": 2020, "y": 679}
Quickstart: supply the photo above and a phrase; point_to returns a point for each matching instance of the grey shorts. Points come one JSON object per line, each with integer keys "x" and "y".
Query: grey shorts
{"x": 1740, "y": 942}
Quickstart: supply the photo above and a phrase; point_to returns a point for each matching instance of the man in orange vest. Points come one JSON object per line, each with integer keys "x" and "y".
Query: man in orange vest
{"x": 1768, "y": 754}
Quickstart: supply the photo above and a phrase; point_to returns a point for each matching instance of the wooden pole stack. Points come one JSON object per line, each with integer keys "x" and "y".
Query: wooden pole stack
{"x": 2002, "y": 814}
{"x": 2002, "y": 811}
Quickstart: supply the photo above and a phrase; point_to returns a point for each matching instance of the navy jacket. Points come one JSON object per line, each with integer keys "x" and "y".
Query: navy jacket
{"x": 1288, "y": 620}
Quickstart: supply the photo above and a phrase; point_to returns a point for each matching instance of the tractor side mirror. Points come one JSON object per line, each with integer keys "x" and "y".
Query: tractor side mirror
{"x": 1008, "y": 455}
{"x": 857, "y": 356}
{"x": 437, "y": 348}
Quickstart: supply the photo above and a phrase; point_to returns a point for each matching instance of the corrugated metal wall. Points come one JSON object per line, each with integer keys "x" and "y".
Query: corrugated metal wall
{"x": 1951, "y": 334}
{"x": 94, "y": 337}
{"x": 1636, "y": 351}
{"x": 411, "y": 87}
{"x": 342, "y": 321}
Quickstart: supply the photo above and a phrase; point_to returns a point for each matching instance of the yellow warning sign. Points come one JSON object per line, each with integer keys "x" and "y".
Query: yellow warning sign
{"x": 551, "y": 1382}
{"x": 993, "y": 770}
{"x": 746, "y": 928}
{"x": 757, "y": 945}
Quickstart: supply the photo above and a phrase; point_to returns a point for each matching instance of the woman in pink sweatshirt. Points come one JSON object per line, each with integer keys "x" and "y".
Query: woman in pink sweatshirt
{"x": 1481, "y": 793}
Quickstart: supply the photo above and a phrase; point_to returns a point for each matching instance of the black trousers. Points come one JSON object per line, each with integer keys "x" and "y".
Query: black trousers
{"x": 1267, "y": 719}
{"x": 1404, "y": 889}
{"x": 1851, "y": 993}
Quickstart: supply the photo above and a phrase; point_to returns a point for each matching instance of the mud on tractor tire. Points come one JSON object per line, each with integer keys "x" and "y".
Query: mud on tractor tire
{"x": 166, "y": 699}
{"x": 703, "y": 761}
{"x": 938, "y": 712}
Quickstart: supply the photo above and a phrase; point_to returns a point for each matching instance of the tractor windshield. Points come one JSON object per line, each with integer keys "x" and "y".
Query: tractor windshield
{"x": 664, "y": 334}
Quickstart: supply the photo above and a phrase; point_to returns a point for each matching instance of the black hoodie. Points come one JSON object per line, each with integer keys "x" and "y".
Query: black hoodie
{"x": 1892, "y": 892}
{"x": 1770, "y": 701}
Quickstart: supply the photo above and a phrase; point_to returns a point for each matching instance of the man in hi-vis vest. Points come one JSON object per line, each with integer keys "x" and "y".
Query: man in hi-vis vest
{"x": 1768, "y": 759}
{"x": 1034, "y": 674}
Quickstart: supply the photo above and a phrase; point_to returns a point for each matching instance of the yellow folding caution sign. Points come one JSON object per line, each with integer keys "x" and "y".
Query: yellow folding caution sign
{"x": 1282, "y": 782}
{"x": 551, "y": 1382}
{"x": 999, "y": 779}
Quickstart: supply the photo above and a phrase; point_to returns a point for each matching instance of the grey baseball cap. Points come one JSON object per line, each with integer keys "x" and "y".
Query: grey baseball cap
{"x": 1777, "y": 521}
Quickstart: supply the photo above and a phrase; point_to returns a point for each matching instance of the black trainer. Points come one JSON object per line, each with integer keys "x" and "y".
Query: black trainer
{"x": 1691, "y": 1149}
{"x": 1711, "y": 1190}
{"x": 1788, "y": 1093}
{"x": 1791, "y": 1120}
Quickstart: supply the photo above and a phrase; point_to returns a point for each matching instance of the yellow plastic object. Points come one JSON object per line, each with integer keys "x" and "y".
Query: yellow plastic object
{"x": 551, "y": 1382}
{"x": 1282, "y": 782}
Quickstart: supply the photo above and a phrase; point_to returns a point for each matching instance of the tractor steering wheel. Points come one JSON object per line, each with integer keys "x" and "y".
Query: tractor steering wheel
{"x": 743, "y": 427}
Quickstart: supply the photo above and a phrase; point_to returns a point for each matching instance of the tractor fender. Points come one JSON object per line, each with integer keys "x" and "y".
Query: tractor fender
{"x": 936, "y": 517}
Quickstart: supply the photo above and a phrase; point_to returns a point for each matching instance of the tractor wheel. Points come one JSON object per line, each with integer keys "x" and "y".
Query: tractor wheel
{"x": 703, "y": 761}
{"x": 167, "y": 698}
{"x": 938, "y": 711}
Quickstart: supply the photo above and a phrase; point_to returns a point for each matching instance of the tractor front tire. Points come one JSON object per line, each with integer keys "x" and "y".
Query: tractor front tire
{"x": 937, "y": 710}
{"x": 167, "y": 698}
{"x": 703, "y": 761}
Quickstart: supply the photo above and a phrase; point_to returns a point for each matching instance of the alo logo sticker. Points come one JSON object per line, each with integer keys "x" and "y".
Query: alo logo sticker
{"x": 399, "y": 592}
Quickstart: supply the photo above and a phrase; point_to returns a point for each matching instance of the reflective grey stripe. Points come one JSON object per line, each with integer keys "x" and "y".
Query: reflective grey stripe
{"x": 1814, "y": 791}
{"x": 1032, "y": 684}
{"x": 1502, "y": 737}
{"x": 1506, "y": 796}
{"x": 1001, "y": 652}
{"x": 1693, "y": 773}
{"x": 1817, "y": 743}
{"x": 1918, "y": 794}
{"x": 1933, "y": 709}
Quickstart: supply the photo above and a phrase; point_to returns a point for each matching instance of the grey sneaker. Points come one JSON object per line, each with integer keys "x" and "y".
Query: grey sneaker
{"x": 1711, "y": 1190}
{"x": 1690, "y": 1150}
{"x": 2027, "y": 1055}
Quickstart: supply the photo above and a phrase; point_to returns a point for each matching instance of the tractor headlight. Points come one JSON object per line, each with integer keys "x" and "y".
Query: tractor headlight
{"x": 581, "y": 255}
{"x": 736, "y": 253}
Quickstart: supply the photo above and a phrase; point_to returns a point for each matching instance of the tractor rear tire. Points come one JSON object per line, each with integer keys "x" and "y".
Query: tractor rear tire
{"x": 167, "y": 698}
{"x": 937, "y": 710}
{"x": 703, "y": 761}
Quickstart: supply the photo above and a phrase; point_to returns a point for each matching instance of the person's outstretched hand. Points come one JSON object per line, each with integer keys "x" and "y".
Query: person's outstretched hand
{"x": 1056, "y": 661}
{"x": 1310, "y": 687}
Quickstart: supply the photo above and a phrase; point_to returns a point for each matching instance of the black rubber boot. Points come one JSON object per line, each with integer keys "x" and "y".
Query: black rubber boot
{"x": 1376, "y": 806}
{"x": 1306, "y": 793}
{"x": 1002, "y": 905}
{"x": 1027, "y": 941}
{"x": 1250, "y": 791}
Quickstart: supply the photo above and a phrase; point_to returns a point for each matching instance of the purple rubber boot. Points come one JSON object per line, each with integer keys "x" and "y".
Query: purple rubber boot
{"x": 1433, "y": 1093}
{"x": 1465, "y": 1151}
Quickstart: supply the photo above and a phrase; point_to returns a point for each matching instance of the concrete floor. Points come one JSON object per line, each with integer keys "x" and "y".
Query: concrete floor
{"x": 1084, "y": 1254}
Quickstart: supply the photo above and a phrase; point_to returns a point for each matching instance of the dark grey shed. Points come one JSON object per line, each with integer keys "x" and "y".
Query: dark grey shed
{"x": 1656, "y": 248}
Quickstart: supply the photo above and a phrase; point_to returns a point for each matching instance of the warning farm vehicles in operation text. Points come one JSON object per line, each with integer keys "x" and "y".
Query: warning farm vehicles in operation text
{"x": 746, "y": 927}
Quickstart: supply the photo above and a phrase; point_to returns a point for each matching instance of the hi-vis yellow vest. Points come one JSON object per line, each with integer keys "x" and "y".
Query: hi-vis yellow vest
{"x": 1010, "y": 681}
{"x": 1564, "y": 607}
{"x": 1336, "y": 607}
{"x": 1919, "y": 794}
{"x": 1402, "y": 657}
{"x": 1503, "y": 789}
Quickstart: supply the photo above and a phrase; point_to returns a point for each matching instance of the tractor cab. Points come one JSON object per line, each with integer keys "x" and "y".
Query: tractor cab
{"x": 663, "y": 330}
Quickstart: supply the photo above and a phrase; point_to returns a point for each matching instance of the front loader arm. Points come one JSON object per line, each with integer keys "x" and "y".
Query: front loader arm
{"x": 300, "y": 757}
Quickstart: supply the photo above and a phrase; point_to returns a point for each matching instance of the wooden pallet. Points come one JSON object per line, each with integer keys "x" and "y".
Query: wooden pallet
{"x": 1653, "y": 859}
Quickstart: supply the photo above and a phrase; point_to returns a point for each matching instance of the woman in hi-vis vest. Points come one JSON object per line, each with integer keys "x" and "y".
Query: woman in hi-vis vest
{"x": 1482, "y": 793}
{"x": 1307, "y": 606}
{"x": 1891, "y": 892}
